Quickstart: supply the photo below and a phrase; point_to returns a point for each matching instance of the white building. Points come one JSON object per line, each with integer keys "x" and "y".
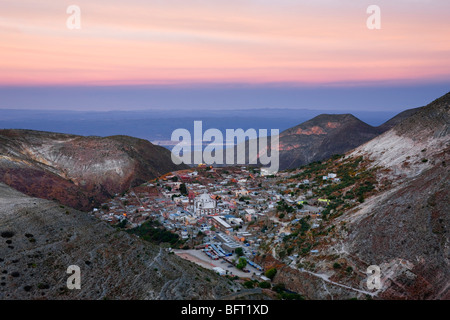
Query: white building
{"x": 184, "y": 234}
{"x": 193, "y": 174}
{"x": 205, "y": 205}
{"x": 267, "y": 172}
{"x": 219, "y": 270}
{"x": 221, "y": 224}
{"x": 250, "y": 211}
{"x": 240, "y": 193}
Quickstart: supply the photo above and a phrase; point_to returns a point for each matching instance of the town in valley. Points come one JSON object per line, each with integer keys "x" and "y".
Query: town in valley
{"x": 229, "y": 218}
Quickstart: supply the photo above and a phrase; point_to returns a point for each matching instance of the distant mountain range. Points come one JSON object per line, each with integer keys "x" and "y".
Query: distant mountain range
{"x": 78, "y": 171}
{"x": 157, "y": 126}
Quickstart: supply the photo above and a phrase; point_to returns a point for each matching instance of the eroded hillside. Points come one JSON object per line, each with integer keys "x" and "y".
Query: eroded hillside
{"x": 80, "y": 172}
{"x": 40, "y": 239}
{"x": 390, "y": 209}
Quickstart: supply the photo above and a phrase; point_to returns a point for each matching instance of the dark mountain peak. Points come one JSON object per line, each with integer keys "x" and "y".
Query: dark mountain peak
{"x": 326, "y": 123}
{"x": 337, "y": 116}
{"x": 321, "y": 137}
{"x": 343, "y": 118}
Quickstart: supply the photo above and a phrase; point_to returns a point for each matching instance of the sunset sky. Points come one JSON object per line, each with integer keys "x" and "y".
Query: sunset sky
{"x": 284, "y": 50}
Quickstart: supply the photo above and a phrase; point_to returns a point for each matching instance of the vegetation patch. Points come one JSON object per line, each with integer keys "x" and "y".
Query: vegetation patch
{"x": 154, "y": 232}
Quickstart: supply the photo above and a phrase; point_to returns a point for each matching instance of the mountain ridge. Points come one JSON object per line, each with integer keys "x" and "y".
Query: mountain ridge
{"x": 321, "y": 137}
{"x": 78, "y": 171}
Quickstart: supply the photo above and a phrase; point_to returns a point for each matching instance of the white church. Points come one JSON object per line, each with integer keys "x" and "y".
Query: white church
{"x": 205, "y": 205}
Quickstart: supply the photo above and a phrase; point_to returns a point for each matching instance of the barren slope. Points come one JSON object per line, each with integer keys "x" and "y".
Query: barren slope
{"x": 39, "y": 240}
{"x": 78, "y": 171}
{"x": 402, "y": 225}
{"x": 405, "y": 229}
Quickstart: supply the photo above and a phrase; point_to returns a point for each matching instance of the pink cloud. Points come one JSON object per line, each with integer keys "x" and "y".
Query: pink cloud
{"x": 225, "y": 41}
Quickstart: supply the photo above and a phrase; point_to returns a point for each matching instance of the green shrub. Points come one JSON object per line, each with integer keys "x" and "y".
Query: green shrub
{"x": 279, "y": 287}
{"x": 271, "y": 273}
{"x": 265, "y": 285}
{"x": 242, "y": 263}
{"x": 291, "y": 296}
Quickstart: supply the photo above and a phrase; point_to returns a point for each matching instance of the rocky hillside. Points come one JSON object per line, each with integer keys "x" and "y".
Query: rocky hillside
{"x": 399, "y": 223}
{"x": 322, "y": 137}
{"x": 405, "y": 229}
{"x": 397, "y": 119}
{"x": 40, "y": 239}
{"x": 80, "y": 172}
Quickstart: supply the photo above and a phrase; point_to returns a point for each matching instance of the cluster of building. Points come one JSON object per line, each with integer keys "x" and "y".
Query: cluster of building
{"x": 222, "y": 205}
